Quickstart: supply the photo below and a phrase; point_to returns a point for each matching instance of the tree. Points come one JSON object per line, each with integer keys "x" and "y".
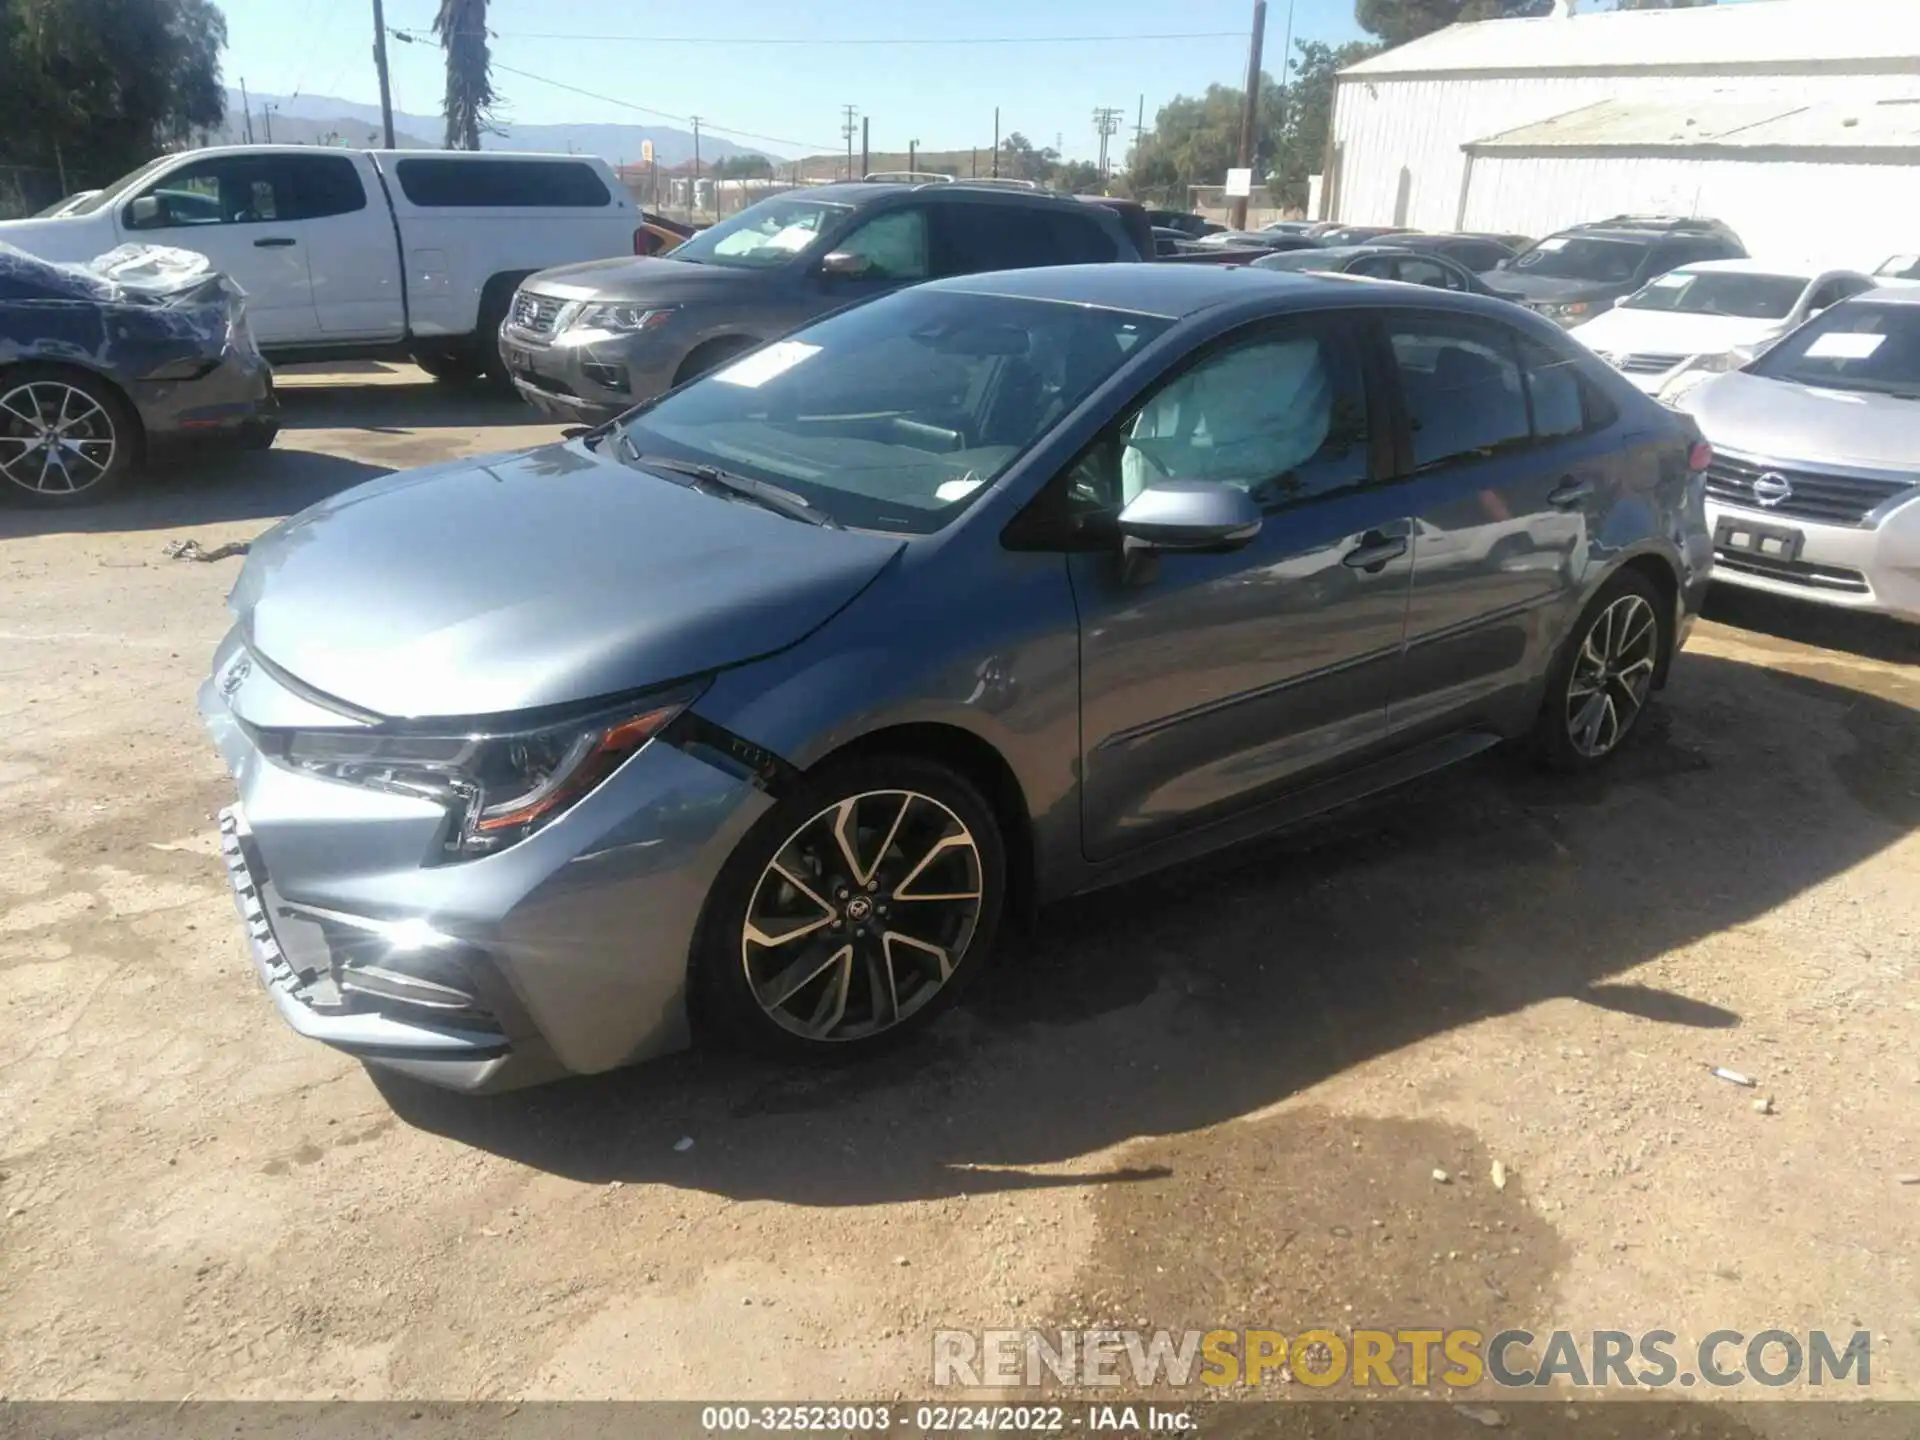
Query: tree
{"x": 462, "y": 28}
{"x": 1398, "y": 21}
{"x": 94, "y": 88}
{"x": 743, "y": 167}
{"x": 1302, "y": 147}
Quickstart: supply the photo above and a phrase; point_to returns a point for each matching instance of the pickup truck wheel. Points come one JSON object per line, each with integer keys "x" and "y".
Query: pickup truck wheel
{"x": 450, "y": 363}
{"x": 66, "y": 437}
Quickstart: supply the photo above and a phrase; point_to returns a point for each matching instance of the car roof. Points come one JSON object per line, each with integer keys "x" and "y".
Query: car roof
{"x": 1789, "y": 269}
{"x": 1175, "y": 292}
{"x": 860, "y": 192}
{"x": 1908, "y": 294}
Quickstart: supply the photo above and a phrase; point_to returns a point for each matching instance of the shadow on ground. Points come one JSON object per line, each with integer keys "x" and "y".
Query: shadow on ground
{"x": 400, "y": 409}
{"x": 1211, "y": 991}
{"x": 1875, "y": 637}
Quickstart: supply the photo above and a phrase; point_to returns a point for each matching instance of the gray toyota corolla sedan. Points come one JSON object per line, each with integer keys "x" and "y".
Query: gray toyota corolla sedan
{"x": 759, "y": 710}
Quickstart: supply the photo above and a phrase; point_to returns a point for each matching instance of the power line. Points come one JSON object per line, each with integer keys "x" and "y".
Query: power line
{"x": 705, "y": 124}
{"x": 861, "y": 40}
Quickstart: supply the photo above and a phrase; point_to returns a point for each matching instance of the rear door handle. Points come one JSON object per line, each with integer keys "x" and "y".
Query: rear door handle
{"x": 273, "y": 242}
{"x": 1374, "y": 551}
{"x": 1570, "y": 492}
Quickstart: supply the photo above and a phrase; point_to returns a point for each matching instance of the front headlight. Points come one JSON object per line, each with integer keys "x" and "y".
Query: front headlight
{"x": 1570, "y": 310}
{"x": 620, "y": 317}
{"x": 1701, "y": 368}
{"x": 498, "y": 787}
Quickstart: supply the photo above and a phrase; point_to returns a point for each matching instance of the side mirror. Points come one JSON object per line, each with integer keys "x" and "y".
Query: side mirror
{"x": 1194, "y": 515}
{"x": 144, "y": 212}
{"x": 846, "y": 265}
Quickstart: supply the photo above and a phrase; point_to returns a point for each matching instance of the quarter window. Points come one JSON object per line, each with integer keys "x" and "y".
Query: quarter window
{"x": 1565, "y": 402}
{"x": 502, "y": 184}
{"x": 1464, "y": 394}
{"x": 324, "y": 185}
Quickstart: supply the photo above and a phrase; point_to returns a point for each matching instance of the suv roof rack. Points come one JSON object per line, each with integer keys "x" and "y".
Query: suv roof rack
{"x": 906, "y": 177}
{"x": 1656, "y": 222}
{"x": 1000, "y": 182}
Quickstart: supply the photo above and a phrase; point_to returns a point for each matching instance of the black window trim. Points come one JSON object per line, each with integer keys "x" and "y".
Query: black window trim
{"x": 281, "y": 177}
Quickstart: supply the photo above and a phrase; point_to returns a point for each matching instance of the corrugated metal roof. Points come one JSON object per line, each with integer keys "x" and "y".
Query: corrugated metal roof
{"x": 1788, "y": 34}
{"x": 1710, "y": 124}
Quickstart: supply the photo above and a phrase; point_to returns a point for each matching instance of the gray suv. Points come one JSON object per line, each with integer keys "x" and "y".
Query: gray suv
{"x": 586, "y": 342}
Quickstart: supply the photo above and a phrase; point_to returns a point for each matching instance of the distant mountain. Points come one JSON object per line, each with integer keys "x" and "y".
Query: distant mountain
{"x": 313, "y": 119}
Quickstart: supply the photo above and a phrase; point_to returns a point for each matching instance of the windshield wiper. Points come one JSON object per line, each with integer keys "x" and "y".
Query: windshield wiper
{"x": 743, "y": 487}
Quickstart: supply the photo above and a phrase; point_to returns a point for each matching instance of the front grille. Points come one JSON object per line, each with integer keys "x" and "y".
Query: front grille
{"x": 1793, "y": 572}
{"x": 536, "y": 314}
{"x": 1649, "y": 364}
{"x": 1811, "y": 494}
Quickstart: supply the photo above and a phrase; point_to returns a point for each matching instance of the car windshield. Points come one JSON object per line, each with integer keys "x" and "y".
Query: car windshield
{"x": 1707, "y": 292}
{"x": 1857, "y": 345}
{"x": 1581, "y": 257}
{"x": 121, "y": 186}
{"x": 893, "y": 415}
{"x": 762, "y": 236}
{"x": 1319, "y": 259}
{"x": 1901, "y": 267}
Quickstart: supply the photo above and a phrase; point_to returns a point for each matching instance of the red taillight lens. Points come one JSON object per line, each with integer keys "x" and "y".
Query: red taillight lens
{"x": 1700, "y": 457}
{"x": 640, "y": 239}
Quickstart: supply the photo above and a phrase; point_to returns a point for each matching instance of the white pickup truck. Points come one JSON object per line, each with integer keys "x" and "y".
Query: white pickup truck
{"x": 361, "y": 254}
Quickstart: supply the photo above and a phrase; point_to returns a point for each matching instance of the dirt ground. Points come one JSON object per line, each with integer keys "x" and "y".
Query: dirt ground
{"x": 1214, "y": 1099}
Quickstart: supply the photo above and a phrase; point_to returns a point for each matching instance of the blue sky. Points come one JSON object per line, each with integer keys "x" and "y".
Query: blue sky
{"x": 942, "y": 95}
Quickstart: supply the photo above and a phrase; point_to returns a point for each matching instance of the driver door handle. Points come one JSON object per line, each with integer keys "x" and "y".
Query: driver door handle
{"x": 273, "y": 242}
{"x": 1570, "y": 492}
{"x": 1374, "y": 551}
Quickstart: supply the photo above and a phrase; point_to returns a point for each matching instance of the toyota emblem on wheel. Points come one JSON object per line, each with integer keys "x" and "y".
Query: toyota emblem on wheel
{"x": 1772, "y": 489}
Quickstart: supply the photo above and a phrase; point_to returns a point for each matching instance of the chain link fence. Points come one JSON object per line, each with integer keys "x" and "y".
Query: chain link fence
{"x": 29, "y": 189}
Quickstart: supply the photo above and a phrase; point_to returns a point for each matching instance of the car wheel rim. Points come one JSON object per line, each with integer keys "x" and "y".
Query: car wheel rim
{"x": 862, "y": 916}
{"x": 54, "y": 439}
{"x": 1612, "y": 676}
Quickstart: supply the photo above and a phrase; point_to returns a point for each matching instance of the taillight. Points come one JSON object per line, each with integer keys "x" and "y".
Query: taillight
{"x": 640, "y": 238}
{"x": 1700, "y": 457}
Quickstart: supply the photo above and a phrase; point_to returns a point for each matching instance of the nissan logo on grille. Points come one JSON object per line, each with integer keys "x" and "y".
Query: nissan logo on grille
{"x": 1772, "y": 488}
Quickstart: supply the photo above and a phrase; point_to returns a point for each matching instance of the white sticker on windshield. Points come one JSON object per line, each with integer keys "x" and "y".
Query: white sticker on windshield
{"x": 794, "y": 237}
{"x": 1556, "y": 243}
{"x": 1671, "y": 282}
{"x": 1844, "y": 345}
{"x": 958, "y": 489}
{"x": 763, "y": 365}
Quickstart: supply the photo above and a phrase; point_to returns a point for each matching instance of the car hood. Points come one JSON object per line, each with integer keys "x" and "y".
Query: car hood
{"x": 1515, "y": 281}
{"x": 515, "y": 581}
{"x": 623, "y": 278}
{"x": 1661, "y": 332}
{"x": 1781, "y": 420}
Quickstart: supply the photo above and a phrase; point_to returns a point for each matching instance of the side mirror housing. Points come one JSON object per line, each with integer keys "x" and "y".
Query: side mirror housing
{"x": 845, "y": 264}
{"x": 1192, "y": 515}
{"x": 144, "y": 212}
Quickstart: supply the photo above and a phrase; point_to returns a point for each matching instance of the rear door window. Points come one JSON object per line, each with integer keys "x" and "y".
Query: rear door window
{"x": 1420, "y": 270}
{"x": 501, "y": 184}
{"x": 324, "y": 185}
{"x": 973, "y": 237}
{"x": 1464, "y": 393}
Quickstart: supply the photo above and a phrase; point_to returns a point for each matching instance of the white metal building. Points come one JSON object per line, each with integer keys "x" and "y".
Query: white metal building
{"x": 1785, "y": 118}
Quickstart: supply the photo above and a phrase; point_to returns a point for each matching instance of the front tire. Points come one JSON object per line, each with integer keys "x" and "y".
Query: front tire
{"x": 1601, "y": 682}
{"x": 450, "y": 365}
{"x": 853, "y": 913}
{"x": 66, "y": 437}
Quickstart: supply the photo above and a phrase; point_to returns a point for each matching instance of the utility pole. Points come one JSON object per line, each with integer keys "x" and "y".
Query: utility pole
{"x": 693, "y": 186}
{"x": 866, "y": 137}
{"x": 380, "y": 64}
{"x": 847, "y": 128}
{"x": 266, "y": 116}
{"x": 974, "y": 173}
{"x": 1140, "y": 127}
{"x": 1280, "y": 122}
{"x": 1251, "y": 107}
{"x": 996, "y": 142}
{"x": 246, "y": 106}
{"x": 1106, "y": 124}
{"x": 913, "y": 150}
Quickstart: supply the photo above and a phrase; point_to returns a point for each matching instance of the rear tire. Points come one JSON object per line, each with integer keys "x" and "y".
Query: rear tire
{"x": 67, "y": 437}
{"x": 853, "y": 913}
{"x": 1599, "y": 686}
{"x": 450, "y": 365}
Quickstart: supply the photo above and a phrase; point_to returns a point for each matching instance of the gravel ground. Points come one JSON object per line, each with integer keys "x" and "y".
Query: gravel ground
{"x": 1217, "y": 1098}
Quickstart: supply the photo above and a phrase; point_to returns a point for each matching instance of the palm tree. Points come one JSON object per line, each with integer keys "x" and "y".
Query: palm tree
{"x": 462, "y": 28}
